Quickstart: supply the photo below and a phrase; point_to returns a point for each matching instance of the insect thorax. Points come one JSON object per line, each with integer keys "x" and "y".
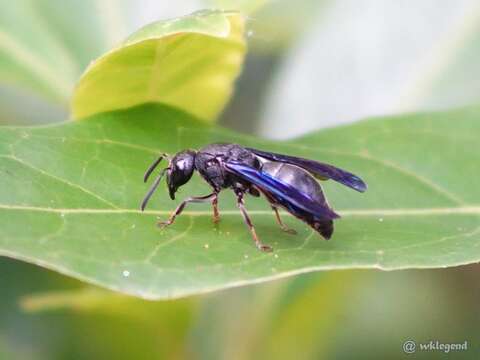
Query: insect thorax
{"x": 209, "y": 162}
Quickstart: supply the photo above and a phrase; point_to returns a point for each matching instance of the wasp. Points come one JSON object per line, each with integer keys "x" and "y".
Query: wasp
{"x": 285, "y": 181}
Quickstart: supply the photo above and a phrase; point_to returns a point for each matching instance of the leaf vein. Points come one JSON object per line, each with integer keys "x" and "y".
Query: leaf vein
{"x": 70, "y": 184}
{"x": 460, "y": 210}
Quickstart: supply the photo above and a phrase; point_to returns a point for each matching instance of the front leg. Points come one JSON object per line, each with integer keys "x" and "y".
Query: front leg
{"x": 194, "y": 199}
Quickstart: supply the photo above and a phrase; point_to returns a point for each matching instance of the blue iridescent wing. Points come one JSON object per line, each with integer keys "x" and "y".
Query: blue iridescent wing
{"x": 318, "y": 169}
{"x": 292, "y": 199}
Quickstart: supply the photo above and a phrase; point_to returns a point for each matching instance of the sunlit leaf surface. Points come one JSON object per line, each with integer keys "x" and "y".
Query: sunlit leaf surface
{"x": 69, "y": 197}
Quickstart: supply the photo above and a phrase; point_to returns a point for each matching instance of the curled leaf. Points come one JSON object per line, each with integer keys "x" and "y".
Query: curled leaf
{"x": 189, "y": 63}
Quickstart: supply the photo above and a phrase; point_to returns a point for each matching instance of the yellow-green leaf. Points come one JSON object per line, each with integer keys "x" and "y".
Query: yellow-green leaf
{"x": 189, "y": 63}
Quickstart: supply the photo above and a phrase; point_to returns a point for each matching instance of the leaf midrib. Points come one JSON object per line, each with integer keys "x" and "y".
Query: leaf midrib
{"x": 447, "y": 195}
{"x": 460, "y": 210}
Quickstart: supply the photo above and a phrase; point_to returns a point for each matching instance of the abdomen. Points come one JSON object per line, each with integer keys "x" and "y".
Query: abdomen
{"x": 296, "y": 177}
{"x": 301, "y": 180}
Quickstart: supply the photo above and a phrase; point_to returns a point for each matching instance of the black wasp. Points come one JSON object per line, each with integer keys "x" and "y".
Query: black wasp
{"x": 285, "y": 181}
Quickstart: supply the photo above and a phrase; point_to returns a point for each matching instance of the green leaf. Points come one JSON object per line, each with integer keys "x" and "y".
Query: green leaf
{"x": 69, "y": 197}
{"x": 187, "y": 62}
{"x": 151, "y": 329}
{"x": 302, "y": 316}
{"x": 48, "y": 61}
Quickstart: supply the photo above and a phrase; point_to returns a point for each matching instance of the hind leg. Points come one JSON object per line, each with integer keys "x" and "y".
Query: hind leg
{"x": 281, "y": 223}
{"x": 274, "y": 206}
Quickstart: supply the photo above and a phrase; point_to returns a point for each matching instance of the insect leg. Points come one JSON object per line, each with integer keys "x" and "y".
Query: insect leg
{"x": 258, "y": 243}
{"x": 277, "y": 215}
{"x": 181, "y": 207}
{"x": 281, "y": 223}
{"x": 216, "y": 214}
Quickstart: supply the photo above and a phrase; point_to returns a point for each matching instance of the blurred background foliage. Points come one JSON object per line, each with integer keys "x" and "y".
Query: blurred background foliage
{"x": 311, "y": 64}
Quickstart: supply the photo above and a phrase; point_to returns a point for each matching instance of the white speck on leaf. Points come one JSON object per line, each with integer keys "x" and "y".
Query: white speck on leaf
{"x": 126, "y": 273}
{"x": 206, "y": 246}
{"x": 381, "y": 219}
